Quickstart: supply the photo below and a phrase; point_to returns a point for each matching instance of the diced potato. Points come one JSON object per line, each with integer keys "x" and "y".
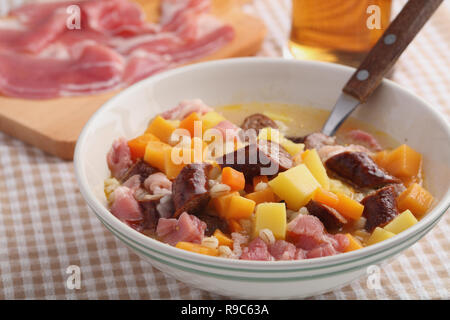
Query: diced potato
{"x": 402, "y": 222}
{"x": 271, "y": 134}
{"x": 161, "y": 128}
{"x": 337, "y": 186}
{"x": 211, "y": 119}
{"x": 154, "y": 154}
{"x": 403, "y": 161}
{"x": 379, "y": 235}
{"x": 312, "y": 160}
{"x": 295, "y": 186}
{"x": 221, "y": 203}
{"x": 416, "y": 199}
{"x": 291, "y": 147}
{"x": 354, "y": 244}
{"x": 240, "y": 208}
{"x": 271, "y": 216}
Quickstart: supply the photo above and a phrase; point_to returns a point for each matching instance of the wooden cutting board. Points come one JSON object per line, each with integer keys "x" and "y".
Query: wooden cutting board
{"x": 54, "y": 125}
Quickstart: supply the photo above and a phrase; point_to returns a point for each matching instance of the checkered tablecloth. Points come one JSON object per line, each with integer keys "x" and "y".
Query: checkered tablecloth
{"x": 45, "y": 225}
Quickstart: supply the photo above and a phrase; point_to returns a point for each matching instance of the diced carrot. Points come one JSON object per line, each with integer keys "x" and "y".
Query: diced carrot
{"x": 326, "y": 197}
{"x": 354, "y": 244}
{"x": 381, "y": 158}
{"x": 259, "y": 179}
{"x": 197, "y": 248}
{"x": 416, "y": 199}
{"x": 403, "y": 161}
{"x": 175, "y": 159}
{"x": 221, "y": 203}
{"x": 161, "y": 128}
{"x": 154, "y": 154}
{"x": 223, "y": 239}
{"x": 265, "y": 195}
{"x": 189, "y": 122}
{"x": 235, "y": 226}
{"x": 137, "y": 145}
{"x": 348, "y": 207}
{"x": 233, "y": 178}
{"x": 240, "y": 208}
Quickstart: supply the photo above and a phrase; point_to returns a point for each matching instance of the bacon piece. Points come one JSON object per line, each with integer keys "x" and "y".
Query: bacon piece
{"x": 317, "y": 140}
{"x": 102, "y": 16}
{"x": 140, "y": 66}
{"x": 364, "y": 138}
{"x": 125, "y": 207}
{"x": 203, "y": 46}
{"x": 41, "y": 35}
{"x": 185, "y": 108}
{"x": 134, "y": 182}
{"x": 257, "y": 250}
{"x": 96, "y": 69}
{"x": 156, "y": 182}
{"x": 118, "y": 46}
{"x": 283, "y": 250}
{"x": 323, "y": 250}
{"x": 308, "y": 234}
{"x": 306, "y": 231}
{"x": 228, "y": 130}
{"x": 187, "y": 228}
{"x": 119, "y": 158}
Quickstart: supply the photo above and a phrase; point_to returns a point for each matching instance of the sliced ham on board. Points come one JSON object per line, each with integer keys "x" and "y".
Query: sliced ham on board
{"x": 41, "y": 57}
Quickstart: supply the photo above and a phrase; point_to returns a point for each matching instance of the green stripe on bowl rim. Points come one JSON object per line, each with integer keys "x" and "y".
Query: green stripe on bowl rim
{"x": 259, "y": 279}
{"x": 132, "y": 243}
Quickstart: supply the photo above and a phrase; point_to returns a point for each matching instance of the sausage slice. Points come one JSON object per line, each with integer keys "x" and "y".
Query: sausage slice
{"x": 141, "y": 168}
{"x": 380, "y": 207}
{"x": 257, "y": 122}
{"x": 331, "y": 219}
{"x": 262, "y": 158}
{"x": 190, "y": 190}
{"x": 359, "y": 169}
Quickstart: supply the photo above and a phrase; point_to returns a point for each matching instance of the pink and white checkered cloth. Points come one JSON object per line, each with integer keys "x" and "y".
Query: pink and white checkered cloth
{"x": 45, "y": 225}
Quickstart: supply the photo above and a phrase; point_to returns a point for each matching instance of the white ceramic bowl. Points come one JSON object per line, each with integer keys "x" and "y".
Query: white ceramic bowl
{"x": 391, "y": 109}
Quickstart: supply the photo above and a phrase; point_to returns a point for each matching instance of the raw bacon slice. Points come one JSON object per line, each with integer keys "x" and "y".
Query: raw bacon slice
{"x": 114, "y": 47}
{"x": 97, "y": 69}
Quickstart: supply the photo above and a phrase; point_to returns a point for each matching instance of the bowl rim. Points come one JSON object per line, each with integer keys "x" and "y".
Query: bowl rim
{"x": 239, "y": 265}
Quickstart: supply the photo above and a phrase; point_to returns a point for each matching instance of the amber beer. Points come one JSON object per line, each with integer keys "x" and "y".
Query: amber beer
{"x": 340, "y": 31}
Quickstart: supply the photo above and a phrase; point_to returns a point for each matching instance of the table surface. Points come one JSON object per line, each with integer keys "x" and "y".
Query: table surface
{"x": 45, "y": 225}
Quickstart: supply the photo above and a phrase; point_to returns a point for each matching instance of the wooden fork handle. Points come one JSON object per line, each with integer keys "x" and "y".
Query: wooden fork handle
{"x": 389, "y": 47}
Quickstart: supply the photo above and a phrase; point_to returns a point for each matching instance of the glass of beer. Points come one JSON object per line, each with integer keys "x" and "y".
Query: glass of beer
{"x": 340, "y": 31}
